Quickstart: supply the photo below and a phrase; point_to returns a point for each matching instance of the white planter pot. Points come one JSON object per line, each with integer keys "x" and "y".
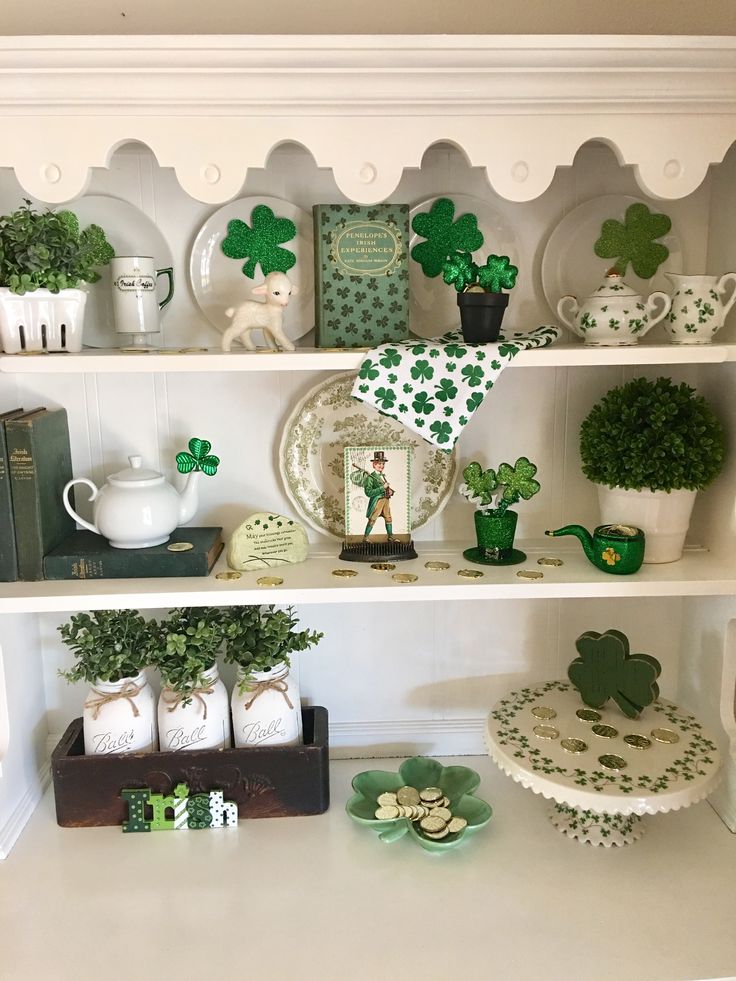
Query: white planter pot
{"x": 41, "y": 320}
{"x": 202, "y": 724}
{"x": 269, "y": 713}
{"x": 663, "y": 517}
{"x": 120, "y": 717}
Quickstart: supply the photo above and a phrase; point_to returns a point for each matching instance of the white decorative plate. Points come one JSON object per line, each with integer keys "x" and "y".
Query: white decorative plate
{"x": 130, "y": 232}
{"x": 433, "y": 306}
{"x": 218, "y": 282}
{"x": 311, "y": 456}
{"x": 571, "y": 267}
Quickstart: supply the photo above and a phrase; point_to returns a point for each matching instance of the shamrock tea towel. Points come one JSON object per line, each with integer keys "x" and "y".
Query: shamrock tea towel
{"x": 434, "y": 386}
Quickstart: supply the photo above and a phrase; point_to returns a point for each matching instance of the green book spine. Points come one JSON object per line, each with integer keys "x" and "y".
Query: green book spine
{"x": 8, "y": 550}
{"x": 85, "y": 555}
{"x": 40, "y": 464}
{"x": 361, "y": 274}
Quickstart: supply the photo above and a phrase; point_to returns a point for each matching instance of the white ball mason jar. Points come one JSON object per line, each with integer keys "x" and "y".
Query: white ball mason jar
{"x": 120, "y": 717}
{"x": 268, "y": 713}
{"x": 202, "y": 724}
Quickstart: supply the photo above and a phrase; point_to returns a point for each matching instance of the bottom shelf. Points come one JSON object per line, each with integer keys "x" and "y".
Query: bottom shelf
{"x": 321, "y": 897}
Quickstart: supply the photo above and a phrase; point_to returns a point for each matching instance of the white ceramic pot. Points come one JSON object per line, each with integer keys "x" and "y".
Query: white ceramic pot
{"x": 664, "y": 518}
{"x": 699, "y": 307}
{"x": 41, "y": 320}
{"x": 269, "y": 712}
{"x": 202, "y": 724}
{"x": 120, "y": 717}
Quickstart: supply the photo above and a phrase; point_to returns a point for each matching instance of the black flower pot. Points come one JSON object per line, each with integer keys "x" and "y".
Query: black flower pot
{"x": 481, "y": 315}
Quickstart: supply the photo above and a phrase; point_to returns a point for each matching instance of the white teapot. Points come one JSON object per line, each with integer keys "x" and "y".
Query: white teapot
{"x": 614, "y": 315}
{"x": 137, "y": 507}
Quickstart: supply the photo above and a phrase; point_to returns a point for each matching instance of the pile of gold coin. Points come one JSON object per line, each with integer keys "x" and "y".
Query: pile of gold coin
{"x": 429, "y": 808}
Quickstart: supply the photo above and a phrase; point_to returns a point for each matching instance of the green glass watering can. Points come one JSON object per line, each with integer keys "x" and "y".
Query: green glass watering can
{"x": 618, "y": 549}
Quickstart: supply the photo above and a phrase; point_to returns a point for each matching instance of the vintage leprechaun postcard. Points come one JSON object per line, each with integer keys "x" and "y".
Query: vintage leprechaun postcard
{"x": 377, "y": 493}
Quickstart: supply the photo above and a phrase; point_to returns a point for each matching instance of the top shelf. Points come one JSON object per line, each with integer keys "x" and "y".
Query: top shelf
{"x": 311, "y": 359}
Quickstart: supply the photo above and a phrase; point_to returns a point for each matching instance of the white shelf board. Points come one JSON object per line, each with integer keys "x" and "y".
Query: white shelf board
{"x": 517, "y": 895}
{"x": 698, "y": 573}
{"x": 312, "y": 359}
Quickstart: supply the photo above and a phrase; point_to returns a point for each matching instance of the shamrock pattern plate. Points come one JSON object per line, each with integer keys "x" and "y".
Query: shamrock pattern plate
{"x": 571, "y": 267}
{"x": 311, "y": 456}
{"x": 218, "y": 282}
{"x": 433, "y": 304}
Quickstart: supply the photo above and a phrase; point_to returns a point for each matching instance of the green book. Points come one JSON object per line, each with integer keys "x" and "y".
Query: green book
{"x": 85, "y": 555}
{"x": 8, "y": 550}
{"x": 40, "y": 465}
{"x": 361, "y": 280}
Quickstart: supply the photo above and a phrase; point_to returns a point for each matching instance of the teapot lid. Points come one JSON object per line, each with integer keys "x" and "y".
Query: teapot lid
{"x": 613, "y": 285}
{"x": 135, "y": 473}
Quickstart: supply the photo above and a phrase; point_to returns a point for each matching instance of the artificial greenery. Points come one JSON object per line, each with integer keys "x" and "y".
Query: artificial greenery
{"x": 47, "y": 250}
{"x": 652, "y": 434}
{"x": 109, "y": 645}
{"x": 189, "y": 639}
{"x": 447, "y": 251}
{"x": 497, "y": 491}
{"x": 633, "y": 241}
{"x": 257, "y": 639}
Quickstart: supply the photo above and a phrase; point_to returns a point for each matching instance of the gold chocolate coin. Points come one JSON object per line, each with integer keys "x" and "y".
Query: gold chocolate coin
{"x": 383, "y": 566}
{"x": 605, "y": 732}
{"x": 665, "y": 736}
{"x": 430, "y": 795}
{"x": 386, "y": 800}
{"x": 588, "y": 715}
{"x": 445, "y": 802}
{"x": 546, "y": 732}
{"x": 572, "y": 745}
{"x": 389, "y": 813}
{"x": 457, "y": 824}
{"x": 543, "y": 712}
{"x": 404, "y": 577}
{"x": 637, "y": 741}
{"x": 444, "y": 813}
{"x": 470, "y": 573}
{"x": 344, "y": 573}
{"x": 230, "y": 576}
{"x": 179, "y": 547}
{"x": 270, "y": 581}
{"x": 529, "y": 574}
{"x": 432, "y": 824}
{"x": 612, "y": 762}
{"x": 436, "y": 566}
{"x": 547, "y": 560}
{"x": 436, "y": 835}
{"x": 409, "y": 796}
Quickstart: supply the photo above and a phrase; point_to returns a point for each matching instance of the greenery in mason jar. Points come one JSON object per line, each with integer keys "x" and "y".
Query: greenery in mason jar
{"x": 47, "y": 250}
{"x": 188, "y": 641}
{"x": 257, "y": 639}
{"x": 108, "y": 644}
{"x": 652, "y": 434}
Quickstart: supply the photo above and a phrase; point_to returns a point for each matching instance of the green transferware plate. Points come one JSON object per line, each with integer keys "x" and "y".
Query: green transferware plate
{"x": 456, "y": 782}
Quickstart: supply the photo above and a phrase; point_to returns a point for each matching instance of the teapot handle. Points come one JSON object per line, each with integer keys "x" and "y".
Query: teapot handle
{"x": 561, "y": 303}
{"x": 656, "y": 317}
{"x": 721, "y": 286}
{"x": 70, "y": 509}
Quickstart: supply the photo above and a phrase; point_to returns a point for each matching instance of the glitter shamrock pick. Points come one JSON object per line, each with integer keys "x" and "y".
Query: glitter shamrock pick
{"x": 633, "y": 241}
{"x": 261, "y": 242}
{"x": 605, "y": 669}
{"x": 198, "y": 458}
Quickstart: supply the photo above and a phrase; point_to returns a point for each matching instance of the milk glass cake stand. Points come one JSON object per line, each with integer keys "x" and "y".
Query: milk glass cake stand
{"x": 601, "y": 770}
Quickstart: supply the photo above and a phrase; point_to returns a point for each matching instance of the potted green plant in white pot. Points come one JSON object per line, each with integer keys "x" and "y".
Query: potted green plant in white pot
{"x": 650, "y": 446}
{"x": 266, "y": 707}
{"x": 44, "y": 258}
{"x": 193, "y": 711}
{"x": 112, "y": 648}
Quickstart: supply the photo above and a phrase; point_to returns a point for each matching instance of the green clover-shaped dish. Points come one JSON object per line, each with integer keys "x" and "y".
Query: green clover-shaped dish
{"x": 456, "y": 782}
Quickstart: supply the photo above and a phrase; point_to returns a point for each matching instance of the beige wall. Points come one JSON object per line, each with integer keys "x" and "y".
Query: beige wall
{"x": 367, "y": 17}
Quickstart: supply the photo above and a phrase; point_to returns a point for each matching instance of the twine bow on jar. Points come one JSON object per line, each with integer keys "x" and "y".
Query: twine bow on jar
{"x": 96, "y": 699}
{"x": 257, "y": 688}
{"x": 173, "y": 699}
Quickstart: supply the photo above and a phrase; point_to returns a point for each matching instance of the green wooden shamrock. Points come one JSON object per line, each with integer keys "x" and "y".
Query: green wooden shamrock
{"x": 460, "y": 271}
{"x": 444, "y": 237}
{"x": 198, "y": 458}
{"x": 497, "y": 274}
{"x": 605, "y": 669}
{"x": 633, "y": 241}
{"x": 482, "y": 483}
{"x": 518, "y": 481}
{"x": 261, "y": 242}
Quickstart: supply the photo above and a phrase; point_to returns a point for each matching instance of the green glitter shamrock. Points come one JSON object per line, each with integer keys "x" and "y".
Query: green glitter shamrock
{"x": 444, "y": 237}
{"x": 633, "y": 241}
{"x": 198, "y": 458}
{"x": 261, "y": 242}
{"x": 482, "y": 483}
{"x": 460, "y": 271}
{"x": 605, "y": 669}
{"x": 517, "y": 482}
{"x": 497, "y": 274}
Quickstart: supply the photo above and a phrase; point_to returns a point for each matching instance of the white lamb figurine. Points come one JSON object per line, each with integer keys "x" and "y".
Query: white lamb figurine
{"x": 254, "y": 315}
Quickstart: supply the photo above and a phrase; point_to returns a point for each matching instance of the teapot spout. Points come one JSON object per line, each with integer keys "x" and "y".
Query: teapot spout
{"x": 583, "y": 536}
{"x": 189, "y": 498}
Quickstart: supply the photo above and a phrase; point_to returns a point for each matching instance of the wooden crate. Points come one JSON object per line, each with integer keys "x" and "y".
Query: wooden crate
{"x": 264, "y": 781}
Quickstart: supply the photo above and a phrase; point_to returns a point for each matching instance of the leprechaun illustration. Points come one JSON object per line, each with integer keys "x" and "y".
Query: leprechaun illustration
{"x": 378, "y": 491}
